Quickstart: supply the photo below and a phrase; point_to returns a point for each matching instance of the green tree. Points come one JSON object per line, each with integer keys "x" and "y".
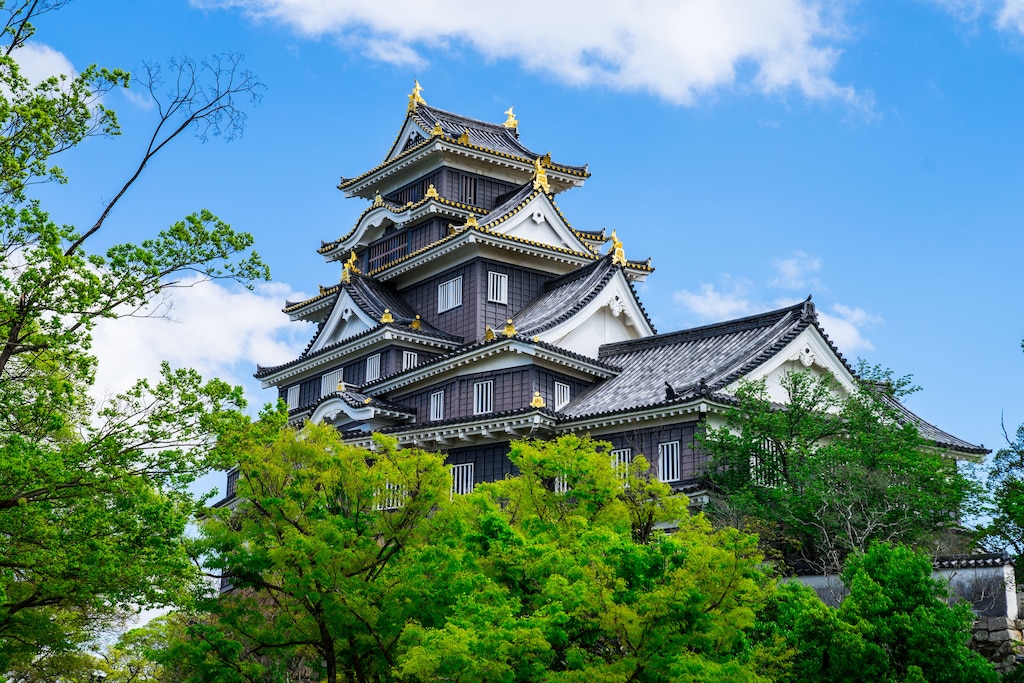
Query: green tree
{"x": 93, "y": 499}
{"x": 830, "y": 473}
{"x": 895, "y": 625}
{"x": 359, "y": 560}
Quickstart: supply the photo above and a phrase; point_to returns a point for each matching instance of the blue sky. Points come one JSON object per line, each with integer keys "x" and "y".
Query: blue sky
{"x": 868, "y": 153}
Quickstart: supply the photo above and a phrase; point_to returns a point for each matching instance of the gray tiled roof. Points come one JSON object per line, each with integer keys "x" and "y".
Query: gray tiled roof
{"x": 931, "y": 432}
{"x": 699, "y": 360}
{"x": 565, "y": 296}
{"x": 511, "y": 200}
{"x": 481, "y": 133}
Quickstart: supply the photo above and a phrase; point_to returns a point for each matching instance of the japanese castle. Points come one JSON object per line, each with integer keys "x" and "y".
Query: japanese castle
{"x": 470, "y": 312}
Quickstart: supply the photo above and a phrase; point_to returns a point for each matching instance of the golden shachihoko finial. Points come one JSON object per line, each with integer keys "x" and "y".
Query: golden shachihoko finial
{"x": 540, "y": 176}
{"x": 414, "y": 97}
{"x": 349, "y": 267}
{"x": 618, "y": 253}
{"x": 511, "y": 122}
{"x": 538, "y": 400}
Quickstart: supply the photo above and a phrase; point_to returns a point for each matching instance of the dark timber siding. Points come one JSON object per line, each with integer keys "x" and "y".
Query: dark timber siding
{"x": 490, "y": 462}
{"x": 645, "y": 442}
{"x": 523, "y": 287}
{"x": 463, "y": 320}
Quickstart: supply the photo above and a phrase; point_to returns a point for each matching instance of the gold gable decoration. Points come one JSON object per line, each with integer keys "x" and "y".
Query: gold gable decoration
{"x": 540, "y": 176}
{"x": 510, "y": 329}
{"x": 471, "y": 222}
{"x": 415, "y": 98}
{"x": 349, "y": 267}
{"x": 618, "y": 253}
{"x": 341, "y": 385}
{"x": 378, "y": 201}
{"x": 387, "y": 317}
{"x": 488, "y": 333}
{"x": 437, "y": 131}
{"x": 511, "y": 122}
{"x": 417, "y": 323}
{"x": 464, "y": 138}
{"x": 432, "y": 192}
{"x": 538, "y": 400}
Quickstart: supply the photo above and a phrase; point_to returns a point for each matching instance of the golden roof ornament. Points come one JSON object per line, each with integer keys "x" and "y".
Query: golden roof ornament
{"x": 464, "y": 138}
{"x": 349, "y": 267}
{"x": 618, "y": 253}
{"x": 510, "y": 329}
{"x": 414, "y": 97}
{"x": 538, "y": 400}
{"x": 378, "y": 200}
{"x": 432, "y": 192}
{"x": 511, "y": 122}
{"x": 341, "y": 385}
{"x": 367, "y": 401}
{"x": 387, "y": 317}
{"x": 536, "y": 337}
{"x": 471, "y": 222}
{"x": 437, "y": 131}
{"x": 546, "y": 159}
{"x": 417, "y": 323}
{"x": 488, "y": 333}
{"x": 540, "y": 176}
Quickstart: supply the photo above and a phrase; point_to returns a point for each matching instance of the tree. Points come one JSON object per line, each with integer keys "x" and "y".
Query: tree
{"x": 360, "y": 560}
{"x": 829, "y": 473}
{"x": 895, "y": 625}
{"x": 93, "y": 499}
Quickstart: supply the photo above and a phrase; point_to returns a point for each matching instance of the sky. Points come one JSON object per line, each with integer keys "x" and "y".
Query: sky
{"x": 868, "y": 153}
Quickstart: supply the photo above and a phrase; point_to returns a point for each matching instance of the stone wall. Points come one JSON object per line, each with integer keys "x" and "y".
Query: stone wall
{"x": 999, "y": 640}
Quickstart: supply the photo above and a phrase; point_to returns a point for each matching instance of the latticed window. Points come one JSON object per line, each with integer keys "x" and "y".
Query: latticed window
{"x": 561, "y": 485}
{"x": 330, "y": 381}
{"x": 437, "y": 405}
{"x": 668, "y": 461}
{"x": 373, "y": 367}
{"x": 621, "y": 460}
{"x": 562, "y": 395}
{"x": 462, "y": 479}
{"x": 409, "y": 359}
{"x": 483, "y": 397}
{"x": 449, "y": 294}
{"x": 467, "y": 187}
{"x": 390, "y": 497}
{"x": 497, "y": 288}
{"x": 292, "y": 397}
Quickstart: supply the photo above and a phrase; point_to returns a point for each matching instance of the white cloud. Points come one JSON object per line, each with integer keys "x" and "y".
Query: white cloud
{"x": 674, "y": 49}
{"x": 712, "y": 305}
{"x": 38, "y": 62}
{"x": 845, "y": 327}
{"x": 793, "y": 271}
{"x": 221, "y": 331}
{"x": 1008, "y": 14}
{"x": 1011, "y": 16}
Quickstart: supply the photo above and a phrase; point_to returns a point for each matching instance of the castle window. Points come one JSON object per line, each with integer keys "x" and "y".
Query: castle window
{"x": 409, "y": 359}
{"x": 437, "y": 406}
{"x": 497, "y": 287}
{"x": 390, "y": 497}
{"x": 292, "y": 397}
{"x": 621, "y": 460}
{"x": 373, "y": 367}
{"x": 483, "y": 397}
{"x": 462, "y": 479}
{"x": 330, "y": 381}
{"x": 562, "y": 395}
{"x": 467, "y": 193}
{"x": 668, "y": 461}
{"x": 449, "y": 295}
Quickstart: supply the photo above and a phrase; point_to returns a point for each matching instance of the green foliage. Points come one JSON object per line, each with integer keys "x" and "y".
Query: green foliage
{"x": 830, "y": 473}
{"x": 895, "y": 625}
{"x": 514, "y": 582}
{"x": 93, "y": 499}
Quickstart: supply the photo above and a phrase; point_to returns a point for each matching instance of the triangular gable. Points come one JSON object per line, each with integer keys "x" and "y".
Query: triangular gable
{"x": 347, "y": 319}
{"x": 613, "y": 315}
{"x": 808, "y": 352}
{"x": 410, "y": 130}
{"x": 537, "y": 221}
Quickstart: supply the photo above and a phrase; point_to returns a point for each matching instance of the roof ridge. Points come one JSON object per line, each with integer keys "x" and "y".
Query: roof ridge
{"x": 750, "y": 322}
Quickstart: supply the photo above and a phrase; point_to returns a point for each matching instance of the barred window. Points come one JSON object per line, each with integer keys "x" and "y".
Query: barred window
{"x": 390, "y": 497}
{"x": 497, "y": 287}
{"x": 462, "y": 479}
{"x": 668, "y": 461}
{"x": 437, "y": 405}
{"x": 449, "y": 294}
{"x": 561, "y": 485}
{"x": 330, "y": 381}
{"x": 483, "y": 397}
{"x": 562, "y": 395}
{"x": 467, "y": 187}
{"x": 622, "y": 458}
{"x": 292, "y": 397}
{"x": 409, "y": 359}
{"x": 373, "y": 367}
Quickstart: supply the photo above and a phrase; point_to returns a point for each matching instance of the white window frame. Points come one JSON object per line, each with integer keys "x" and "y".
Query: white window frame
{"x": 497, "y": 287}
{"x": 462, "y": 479}
{"x": 409, "y": 359}
{"x": 561, "y": 485}
{"x": 449, "y": 294}
{"x": 563, "y": 394}
{"x": 392, "y": 497}
{"x": 437, "y": 406}
{"x": 622, "y": 458}
{"x": 483, "y": 397}
{"x": 669, "y": 462}
{"x": 372, "y": 368}
{"x": 292, "y": 397}
{"x": 330, "y": 380}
